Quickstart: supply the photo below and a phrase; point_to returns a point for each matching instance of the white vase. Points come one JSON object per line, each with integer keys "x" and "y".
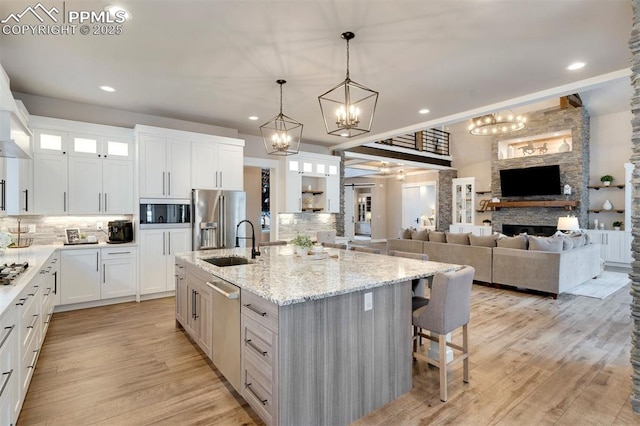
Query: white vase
{"x": 607, "y": 205}
{"x": 606, "y": 183}
{"x": 302, "y": 251}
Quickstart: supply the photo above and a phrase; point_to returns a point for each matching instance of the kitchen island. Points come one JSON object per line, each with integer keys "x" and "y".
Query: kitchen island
{"x": 324, "y": 339}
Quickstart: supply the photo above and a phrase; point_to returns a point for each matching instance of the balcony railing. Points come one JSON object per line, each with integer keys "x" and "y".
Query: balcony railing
{"x": 433, "y": 141}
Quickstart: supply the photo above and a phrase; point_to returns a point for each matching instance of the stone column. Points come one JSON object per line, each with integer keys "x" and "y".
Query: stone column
{"x": 634, "y": 44}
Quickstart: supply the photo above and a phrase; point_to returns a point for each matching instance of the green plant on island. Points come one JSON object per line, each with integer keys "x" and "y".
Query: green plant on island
{"x": 606, "y": 178}
{"x": 617, "y": 224}
{"x": 302, "y": 241}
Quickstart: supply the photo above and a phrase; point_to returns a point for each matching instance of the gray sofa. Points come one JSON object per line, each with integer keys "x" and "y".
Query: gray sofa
{"x": 535, "y": 270}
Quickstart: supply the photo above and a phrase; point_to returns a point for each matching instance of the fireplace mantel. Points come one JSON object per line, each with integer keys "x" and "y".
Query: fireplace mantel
{"x": 566, "y": 204}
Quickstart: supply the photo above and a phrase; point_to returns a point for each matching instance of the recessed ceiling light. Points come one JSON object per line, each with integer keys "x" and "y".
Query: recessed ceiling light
{"x": 253, "y": 117}
{"x": 107, "y": 88}
{"x": 119, "y": 13}
{"x": 576, "y": 66}
{"x": 424, "y": 111}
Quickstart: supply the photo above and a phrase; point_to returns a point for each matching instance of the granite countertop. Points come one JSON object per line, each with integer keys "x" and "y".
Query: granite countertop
{"x": 284, "y": 278}
{"x": 36, "y": 256}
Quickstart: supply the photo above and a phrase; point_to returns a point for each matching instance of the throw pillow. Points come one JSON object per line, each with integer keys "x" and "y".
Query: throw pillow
{"x": 454, "y": 238}
{"x": 567, "y": 243}
{"x": 437, "y": 237}
{"x": 405, "y": 234}
{"x": 545, "y": 244}
{"x": 579, "y": 239}
{"x": 420, "y": 235}
{"x": 483, "y": 240}
{"x": 519, "y": 242}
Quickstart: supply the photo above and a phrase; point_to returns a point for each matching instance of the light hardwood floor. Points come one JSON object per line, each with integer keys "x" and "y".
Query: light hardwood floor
{"x": 534, "y": 360}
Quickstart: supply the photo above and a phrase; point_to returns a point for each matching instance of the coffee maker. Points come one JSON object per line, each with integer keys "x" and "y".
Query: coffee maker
{"x": 120, "y": 231}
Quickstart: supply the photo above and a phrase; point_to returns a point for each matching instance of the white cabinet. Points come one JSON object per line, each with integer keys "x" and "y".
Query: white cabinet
{"x": 80, "y": 273}
{"x": 73, "y": 172}
{"x": 119, "y": 272}
{"x": 312, "y": 177}
{"x": 164, "y": 167}
{"x": 157, "y": 260}
{"x": 199, "y": 308}
{"x": 9, "y": 367}
{"x": 615, "y": 246}
{"x": 474, "y": 229}
{"x": 50, "y": 293}
{"x": 463, "y": 201}
{"x": 216, "y": 166}
{"x": 182, "y": 301}
{"x": 20, "y": 197}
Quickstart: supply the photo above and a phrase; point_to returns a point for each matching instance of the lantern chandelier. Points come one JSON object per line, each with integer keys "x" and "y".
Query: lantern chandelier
{"x": 348, "y": 108}
{"x": 281, "y": 134}
{"x": 494, "y": 124}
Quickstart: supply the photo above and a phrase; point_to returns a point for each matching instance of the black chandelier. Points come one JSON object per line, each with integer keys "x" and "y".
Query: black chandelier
{"x": 281, "y": 134}
{"x": 348, "y": 108}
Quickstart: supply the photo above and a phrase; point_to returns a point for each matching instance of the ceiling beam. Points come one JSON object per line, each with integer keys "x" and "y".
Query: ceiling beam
{"x": 400, "y": 156}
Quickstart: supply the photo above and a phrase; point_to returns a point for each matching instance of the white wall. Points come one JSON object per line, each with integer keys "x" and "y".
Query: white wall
{"x": 254, "y": 147}
{"x": 610, "y": 148}
{"x": 394, "y": 200}
{"x": 253, "y": 188}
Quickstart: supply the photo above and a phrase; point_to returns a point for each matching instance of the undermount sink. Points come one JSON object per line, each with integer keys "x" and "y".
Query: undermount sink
{"x": 227, "y": 261}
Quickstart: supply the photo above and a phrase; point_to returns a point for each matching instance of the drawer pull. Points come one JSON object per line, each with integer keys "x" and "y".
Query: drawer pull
{"x": 21, "y": 302}
{"x": 35, "y": 319}
{"x": 48, "y": 292}
{"x": 6, "y": 381}
{"x": 33, "y": 362}
{"x": 250, "y": 307}
{"x": 254, "y": 347}
{"x": 255, "y": 395}
{"x": 6, "y": 336}
{"x": 48, "y": 318}
{"x": 226, "y": 294}
{"x": 120, "y": 252}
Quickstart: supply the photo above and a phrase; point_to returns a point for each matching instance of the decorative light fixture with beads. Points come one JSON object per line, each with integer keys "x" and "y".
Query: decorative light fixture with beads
{"x": 494, "y": 124}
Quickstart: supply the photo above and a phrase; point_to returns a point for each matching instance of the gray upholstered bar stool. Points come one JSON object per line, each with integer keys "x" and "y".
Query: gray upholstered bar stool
{"x": 335, "y": 245}
{"x": 271, "y": 243}
{"x": 448, "y": 310}
{"x": 365, "y": 249}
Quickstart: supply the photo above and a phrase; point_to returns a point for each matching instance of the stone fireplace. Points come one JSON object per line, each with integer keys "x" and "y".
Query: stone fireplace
{"x": 574, "y": 169}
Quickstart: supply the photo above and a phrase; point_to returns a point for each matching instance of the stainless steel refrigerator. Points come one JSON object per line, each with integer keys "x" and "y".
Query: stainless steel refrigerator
{"x": 215, "y": 215}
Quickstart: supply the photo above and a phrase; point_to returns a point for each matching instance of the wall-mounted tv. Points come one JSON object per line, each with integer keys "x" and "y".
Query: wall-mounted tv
{"x": 542, "y": 180}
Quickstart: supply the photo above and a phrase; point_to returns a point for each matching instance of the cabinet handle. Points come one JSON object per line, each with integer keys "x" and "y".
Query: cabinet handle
{"x": 105, "y": 202}
{"x": 169, "y": 242}
{"x": 21, "y": 302}
{"x": 3, "y": 205}
{"x": 35, "y": 319}
{"x": 48, "y": 318}
{"x": 195, "y": 305}
{"x": 48, "y": 292}
{"x": 253, "y": 346}
{"x": 64, "y": 201}
{"x": 120, "y": 252}
{"x": 216, "y": 179}
{"x": 255, "y": 395}
{"x": 55, "y": 282}
{"x": 104, "y": 273}
{"x": 162, "y": 183}
{"x": 97, "y": 262}
{"x": 6, "y": 336}
{"x": 26, "y": 200}
{"x": 250, "y": 307}
{"x": 6, "y": 381}
{"x": 168, "y": 183}
{"x": 99, "y": 202}
{"x": 164, "y": 242}
{"x": 33, "y": 362}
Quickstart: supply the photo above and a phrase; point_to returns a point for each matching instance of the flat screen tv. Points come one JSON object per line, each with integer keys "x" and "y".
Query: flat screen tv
{"x": 542, "y": 180}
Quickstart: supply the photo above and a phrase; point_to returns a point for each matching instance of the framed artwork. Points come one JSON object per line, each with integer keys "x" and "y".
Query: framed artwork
{"x": 73, "y": 235}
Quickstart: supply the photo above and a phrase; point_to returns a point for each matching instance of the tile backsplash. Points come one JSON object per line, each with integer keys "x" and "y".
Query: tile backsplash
{"x": 308, "y": 224}
{"x": 51, "y": 229}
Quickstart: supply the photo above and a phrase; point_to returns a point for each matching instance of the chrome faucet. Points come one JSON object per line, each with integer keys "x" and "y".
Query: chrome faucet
{"x": 254, "y": 251}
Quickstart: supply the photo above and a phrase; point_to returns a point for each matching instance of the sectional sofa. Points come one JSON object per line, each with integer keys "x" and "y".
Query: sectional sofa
{"x": 542, "y": 264}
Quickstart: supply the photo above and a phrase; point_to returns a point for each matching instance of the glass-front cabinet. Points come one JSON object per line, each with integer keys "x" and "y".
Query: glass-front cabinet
{"x": 463, "y": 201}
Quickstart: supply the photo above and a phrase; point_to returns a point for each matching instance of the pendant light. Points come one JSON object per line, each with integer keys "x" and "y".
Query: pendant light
{"x": 281, "y": 134}
{"x": 348, "y": 108}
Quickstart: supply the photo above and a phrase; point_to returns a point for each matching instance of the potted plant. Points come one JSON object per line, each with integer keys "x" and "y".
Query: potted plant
{"x": 486, "y": 222}
{"x": 606, "y": 180}
{"x": 302, "y": 244}
{"x": 617, "y": 225}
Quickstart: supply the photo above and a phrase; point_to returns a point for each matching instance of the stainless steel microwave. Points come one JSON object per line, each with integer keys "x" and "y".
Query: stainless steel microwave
{"x": 165, "y": 214}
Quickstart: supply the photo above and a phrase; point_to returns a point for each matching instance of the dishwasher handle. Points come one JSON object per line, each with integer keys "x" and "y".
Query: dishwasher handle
{"x": 226, "y": 294}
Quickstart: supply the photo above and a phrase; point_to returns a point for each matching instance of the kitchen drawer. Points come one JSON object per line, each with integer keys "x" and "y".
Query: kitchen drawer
{"x": 122, "y": 252}
{"x": 29, "y": 307}
{"x": 258, "y": 391}
{"x": 260, "y": 346}
{"x": 27, "y": 366}
{"x": 260, "y": 310}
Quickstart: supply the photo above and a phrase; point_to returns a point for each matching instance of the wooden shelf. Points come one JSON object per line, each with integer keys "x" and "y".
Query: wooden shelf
{"x": 606, "y": 211}
{"x": 313, "y": 209}
{"x": 483, "y": 192}
{"x": 522, "y": 204}
{"x": 597, "y": 187}
{"x": 313, "y": 192}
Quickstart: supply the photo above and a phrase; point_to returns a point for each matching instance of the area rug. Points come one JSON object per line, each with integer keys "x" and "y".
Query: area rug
{"x": 601, "y": 286}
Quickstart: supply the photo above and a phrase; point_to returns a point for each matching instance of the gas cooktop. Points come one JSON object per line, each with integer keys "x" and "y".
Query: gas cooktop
{"x": 9, "y": 272}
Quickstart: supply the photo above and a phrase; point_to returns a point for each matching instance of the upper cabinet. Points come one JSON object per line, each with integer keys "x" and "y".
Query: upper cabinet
{"x": 173, "y": 162}
{"x": 463, "y": 201}
{"x": 312, "y": 183}
{"x": 81, "y": 168}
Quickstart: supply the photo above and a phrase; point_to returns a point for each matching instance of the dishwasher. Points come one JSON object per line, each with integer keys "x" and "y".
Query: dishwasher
{"x": 225, "y": 317}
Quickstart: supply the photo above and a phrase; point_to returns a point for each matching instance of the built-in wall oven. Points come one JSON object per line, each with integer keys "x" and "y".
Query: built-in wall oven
{"x": 160, "y": 213}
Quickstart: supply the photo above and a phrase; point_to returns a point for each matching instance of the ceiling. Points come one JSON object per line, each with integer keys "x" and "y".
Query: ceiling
{"x": 216, "y": 62}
